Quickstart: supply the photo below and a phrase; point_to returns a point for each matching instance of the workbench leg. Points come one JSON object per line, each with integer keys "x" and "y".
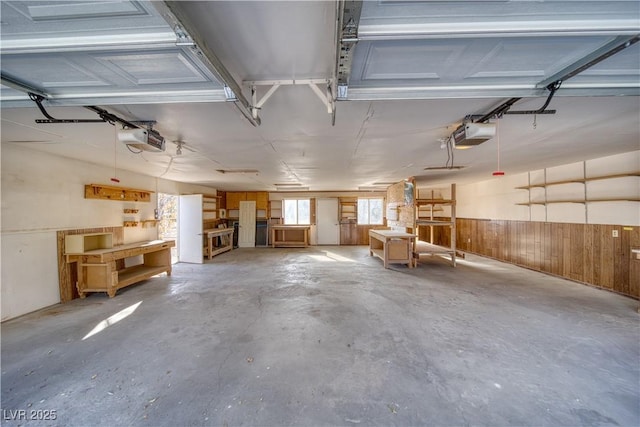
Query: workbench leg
{"x": 80, "y": 282}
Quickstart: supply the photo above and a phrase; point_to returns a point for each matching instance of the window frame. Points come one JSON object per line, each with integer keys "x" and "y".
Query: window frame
{"x": 297, "y": 200}
{"x": 368, "y": 199}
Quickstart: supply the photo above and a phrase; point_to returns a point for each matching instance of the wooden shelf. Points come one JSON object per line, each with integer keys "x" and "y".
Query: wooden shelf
{"x": 135, "y": 274}
{"x": 551, "y": 202}
{"x": 79, "y": 243}
{"x": 578, "y": 180}
{"x": 429, "y": 248}
{"x": 422, "y": 202}
{"x": 107, "y": 192}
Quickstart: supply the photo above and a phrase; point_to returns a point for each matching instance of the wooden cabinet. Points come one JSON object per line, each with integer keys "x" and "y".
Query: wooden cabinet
{"x": 349, "y": 233}
{"x": 262, "y": 200}
{"x": 234, "y": 198}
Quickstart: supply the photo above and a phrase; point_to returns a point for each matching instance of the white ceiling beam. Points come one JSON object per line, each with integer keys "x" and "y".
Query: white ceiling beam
{"x": 457, "y": 92}
{"x": 111, "y": 42}
{"x": 327, "y": 101}
{"x": 290, "y": 82}
{"x": 119, "y": 98}
{"x": 499, "y": 29}
{"x": 267, "y": 95}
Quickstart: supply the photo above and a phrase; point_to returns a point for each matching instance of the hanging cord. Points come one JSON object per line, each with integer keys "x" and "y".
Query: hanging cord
{"x": 498, "y": 141}
{"x": 450, "y": 153}
{"x": 498, "y": 172}
{"x": 115, "y": 155}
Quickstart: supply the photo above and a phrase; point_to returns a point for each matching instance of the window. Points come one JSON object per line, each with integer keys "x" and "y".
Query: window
{"x": 370, "y": 211}
{"x": 297, "y": 211}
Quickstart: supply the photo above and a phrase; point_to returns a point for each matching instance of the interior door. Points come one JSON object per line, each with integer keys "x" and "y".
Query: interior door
{"x": 328, "y": 228}
{"x": 247, "y": 224}
{"x": 190, "y": 242}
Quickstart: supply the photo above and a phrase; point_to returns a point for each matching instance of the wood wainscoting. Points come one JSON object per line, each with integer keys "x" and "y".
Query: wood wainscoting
{"x": 586, "y": 253}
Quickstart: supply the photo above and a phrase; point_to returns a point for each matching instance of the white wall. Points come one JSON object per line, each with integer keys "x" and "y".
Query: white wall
{"x": 44, "y": 193}
{"x": 497, "y": 198}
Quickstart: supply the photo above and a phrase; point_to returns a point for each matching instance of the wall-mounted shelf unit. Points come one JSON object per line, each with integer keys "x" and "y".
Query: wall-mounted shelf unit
{"x": 107, "y": 192}
{"x": 434, "y": 204}
{"x": 275, "y": 209}
{"x": 584, "y": 199}
{"x": 578, "y": 180}
{"x": 348, "y": 208}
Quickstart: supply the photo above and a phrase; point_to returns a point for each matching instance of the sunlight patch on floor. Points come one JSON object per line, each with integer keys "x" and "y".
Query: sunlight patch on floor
{"x": 112, "y": 320}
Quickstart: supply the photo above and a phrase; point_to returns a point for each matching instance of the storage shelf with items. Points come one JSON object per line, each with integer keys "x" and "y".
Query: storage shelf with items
{"x": 539, "y": 195}
{"x": 348, "y": 220}
{"x": 130, "y": 219}
{"x": 348, "y": 209}
{"x": 426, "y": 207}
{"x": 210, "y": 209}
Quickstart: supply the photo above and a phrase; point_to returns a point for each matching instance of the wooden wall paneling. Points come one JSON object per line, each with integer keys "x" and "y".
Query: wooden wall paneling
{"x": 596, "y": 269}
{"x": 634, "y": 263}
{"x": 586, "y": 253}
{"x": 537, "y": 245}
{"x": 621, "y": 260}
{"x": 606, "y": 257}
{"x": 546, "y": 246}
{"x": 513, "y": 241}
{"x": 576, "y": 251}
{"x": 556, "y": 249}
{"x": 588, "y": 260}
{"x": 566, "y": 250}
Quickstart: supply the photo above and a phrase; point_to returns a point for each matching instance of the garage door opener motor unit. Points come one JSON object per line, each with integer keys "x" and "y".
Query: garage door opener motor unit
{"x": 142, "y": 139}
{"x": 472, "y": 134}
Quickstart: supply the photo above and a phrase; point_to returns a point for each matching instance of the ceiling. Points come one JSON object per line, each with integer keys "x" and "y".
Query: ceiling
{"x": 412, "y": 71}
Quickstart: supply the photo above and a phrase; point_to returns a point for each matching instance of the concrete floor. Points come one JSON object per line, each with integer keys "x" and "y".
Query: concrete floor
{"x": 326, "y": 336}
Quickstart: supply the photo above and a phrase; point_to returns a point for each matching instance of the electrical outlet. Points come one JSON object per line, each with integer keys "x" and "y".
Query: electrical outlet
{"x": 614, "y": 233}
{"x": 468, "y": 240}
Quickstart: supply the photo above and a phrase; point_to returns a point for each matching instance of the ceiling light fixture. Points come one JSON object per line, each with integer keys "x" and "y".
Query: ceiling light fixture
{"x": 443, "y": 168}
{"x": 255, "y": 171}
{"x": 288, "y": 184}
{"x": 292, "y": 189}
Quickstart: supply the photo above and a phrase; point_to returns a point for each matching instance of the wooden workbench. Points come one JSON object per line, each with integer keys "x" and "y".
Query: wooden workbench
{"x": 392, "y": 247}
{"x": 97, "y": 271}
{"x": 226, "y": 241}
{"x": 298, "y": 235}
